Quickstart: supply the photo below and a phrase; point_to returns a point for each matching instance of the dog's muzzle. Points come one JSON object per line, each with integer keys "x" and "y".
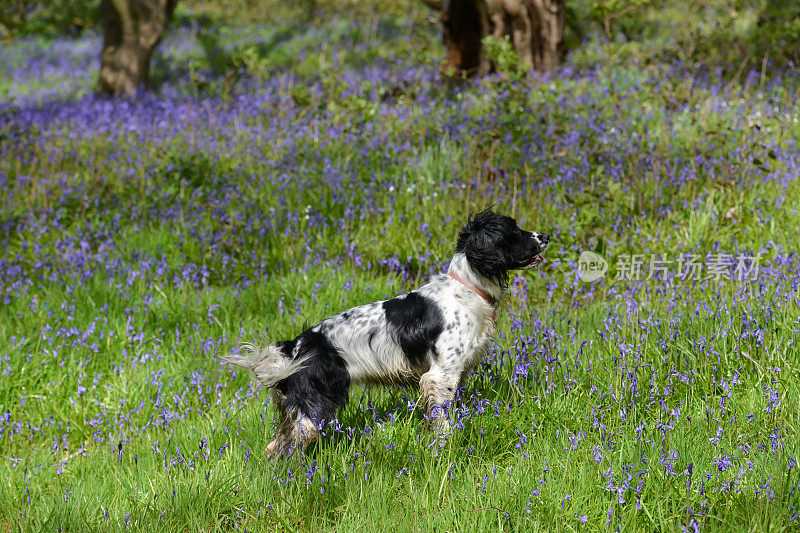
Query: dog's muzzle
{"x": 538, "y": 259}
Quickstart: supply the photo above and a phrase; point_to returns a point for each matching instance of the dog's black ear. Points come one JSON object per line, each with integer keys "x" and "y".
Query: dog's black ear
{"x": 480, "y": 240}
{"x": 474, "y": 224}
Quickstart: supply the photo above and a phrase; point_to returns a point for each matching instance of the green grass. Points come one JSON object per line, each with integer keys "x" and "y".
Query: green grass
{"x": 115, "y": 412}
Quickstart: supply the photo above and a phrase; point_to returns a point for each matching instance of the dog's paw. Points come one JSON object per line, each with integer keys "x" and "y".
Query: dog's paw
{"x": 274, "y": 451}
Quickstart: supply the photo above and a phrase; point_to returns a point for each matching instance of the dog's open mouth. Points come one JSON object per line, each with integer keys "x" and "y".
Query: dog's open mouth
{"x": 538, "y": 259}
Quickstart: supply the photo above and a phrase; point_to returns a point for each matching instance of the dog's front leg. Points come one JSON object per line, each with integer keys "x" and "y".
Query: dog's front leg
{"x": 438, "y": 389}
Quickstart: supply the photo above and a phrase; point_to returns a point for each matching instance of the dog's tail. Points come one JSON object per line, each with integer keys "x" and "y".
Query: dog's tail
{"x": 268, "y": 364}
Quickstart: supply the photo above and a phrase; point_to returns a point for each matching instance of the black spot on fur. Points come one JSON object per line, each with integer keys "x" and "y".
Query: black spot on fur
{"x": 415, "y": 323}
{"x": 286, "y": 347}
{"x": 322, "y": 386}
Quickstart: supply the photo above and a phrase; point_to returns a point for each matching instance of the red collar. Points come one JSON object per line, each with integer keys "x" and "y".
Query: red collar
{"x": 477, "y": 290}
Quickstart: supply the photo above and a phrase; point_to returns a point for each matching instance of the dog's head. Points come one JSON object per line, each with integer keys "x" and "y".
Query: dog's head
{"x": 494, "y": 244}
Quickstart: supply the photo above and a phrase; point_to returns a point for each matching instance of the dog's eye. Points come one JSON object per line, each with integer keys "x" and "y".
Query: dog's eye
{"x": 517, "y": 231}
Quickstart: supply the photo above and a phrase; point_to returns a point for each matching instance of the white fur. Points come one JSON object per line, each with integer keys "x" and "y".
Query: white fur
{"x": 267, "y": 363}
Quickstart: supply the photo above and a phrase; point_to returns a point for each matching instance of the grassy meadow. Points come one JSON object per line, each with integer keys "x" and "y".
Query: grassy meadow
{"x": 280, "y": 172}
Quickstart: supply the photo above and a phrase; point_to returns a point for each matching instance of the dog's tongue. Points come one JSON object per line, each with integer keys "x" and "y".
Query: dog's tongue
{"x": 539, "y": 258}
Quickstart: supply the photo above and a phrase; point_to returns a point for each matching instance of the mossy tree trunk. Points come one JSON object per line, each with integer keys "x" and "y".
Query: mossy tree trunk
{"x": 534, "y": 27}
{"x": 132, "y": 29}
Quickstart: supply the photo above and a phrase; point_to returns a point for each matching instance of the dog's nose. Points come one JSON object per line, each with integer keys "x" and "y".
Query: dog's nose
{"x": 544, "y": 238}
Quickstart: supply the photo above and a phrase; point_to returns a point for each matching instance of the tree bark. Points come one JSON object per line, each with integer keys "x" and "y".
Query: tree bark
{"x": 465, "y": 24}
{"x": 535, "y": 29}
{"x": 132, "y": 29}
{"x": 548, "y": 37}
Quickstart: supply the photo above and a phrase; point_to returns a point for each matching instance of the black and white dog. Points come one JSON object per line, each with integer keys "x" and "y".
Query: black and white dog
{"x": 431, "y": 335}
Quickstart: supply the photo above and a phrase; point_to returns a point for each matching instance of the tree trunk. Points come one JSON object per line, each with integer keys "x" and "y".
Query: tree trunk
{"x": 465, "y": 23}
{"x": 548, "y": 38}
{"x": 132, "y": 29}
{"x": 535, "y": 29}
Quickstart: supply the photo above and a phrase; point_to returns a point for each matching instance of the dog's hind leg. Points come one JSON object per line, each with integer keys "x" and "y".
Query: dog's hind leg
{"x": 295, "y": 431}
{"x": 308, "y": 398}
{"x": 298, "y": 436}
